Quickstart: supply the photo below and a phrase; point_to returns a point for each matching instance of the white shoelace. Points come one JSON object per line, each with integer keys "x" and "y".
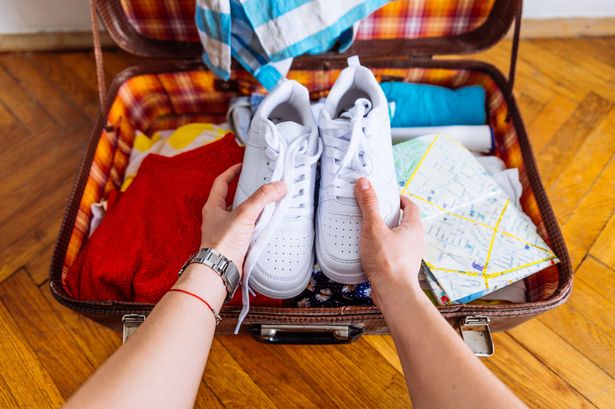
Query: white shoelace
{"x": 290, "y": 162}
{"x": 347, "y": 146}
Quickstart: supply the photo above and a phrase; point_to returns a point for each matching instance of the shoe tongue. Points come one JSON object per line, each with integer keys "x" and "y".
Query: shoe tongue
{"x": 291, "y": 130}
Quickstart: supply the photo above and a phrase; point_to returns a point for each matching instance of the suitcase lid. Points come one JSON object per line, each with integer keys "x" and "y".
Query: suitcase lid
{"x": 166, "y": 28}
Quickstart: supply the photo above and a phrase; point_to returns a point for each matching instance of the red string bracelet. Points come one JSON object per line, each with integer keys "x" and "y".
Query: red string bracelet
{"x": 216, "y": 315}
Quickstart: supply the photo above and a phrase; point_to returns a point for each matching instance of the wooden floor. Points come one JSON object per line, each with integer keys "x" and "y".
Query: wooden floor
{"x": 564, "y": 358}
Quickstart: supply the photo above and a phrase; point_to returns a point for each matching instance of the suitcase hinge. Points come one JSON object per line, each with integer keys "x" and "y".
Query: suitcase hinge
{"x": 131, "y": 323}
{"x": 475, "y": 332}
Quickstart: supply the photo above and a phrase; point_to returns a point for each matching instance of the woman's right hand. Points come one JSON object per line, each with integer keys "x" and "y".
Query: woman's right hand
{"x": 391, "y": 258}
{"x": 230, "y": 231}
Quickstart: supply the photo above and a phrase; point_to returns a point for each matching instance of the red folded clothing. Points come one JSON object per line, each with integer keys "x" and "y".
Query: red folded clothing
{"x": 151, "y": 229}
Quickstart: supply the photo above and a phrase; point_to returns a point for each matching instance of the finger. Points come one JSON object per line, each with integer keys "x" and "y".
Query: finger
{"x": 254, "y": 205}
{"x": 412, "y": 214}
{"x": 368, "y": 202}
{"x": 219, "y": 189}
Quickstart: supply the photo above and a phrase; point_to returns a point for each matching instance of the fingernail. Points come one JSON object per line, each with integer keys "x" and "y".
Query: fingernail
{"x": 363, "y": 184}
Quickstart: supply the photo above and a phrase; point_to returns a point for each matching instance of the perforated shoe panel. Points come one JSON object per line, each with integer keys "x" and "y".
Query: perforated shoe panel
{"x": 286, "y": 263}
{"x": 340, "y": 234}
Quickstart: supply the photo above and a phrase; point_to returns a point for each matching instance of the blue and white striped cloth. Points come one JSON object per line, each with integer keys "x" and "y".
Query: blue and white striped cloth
{"x": 264, "y": 35}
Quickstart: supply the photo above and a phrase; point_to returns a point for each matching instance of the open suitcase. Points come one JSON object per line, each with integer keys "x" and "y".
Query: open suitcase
{"x": 397, "y": 42}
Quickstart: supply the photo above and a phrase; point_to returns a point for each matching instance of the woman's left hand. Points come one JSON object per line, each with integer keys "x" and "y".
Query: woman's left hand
{"x": 230, "y": 231}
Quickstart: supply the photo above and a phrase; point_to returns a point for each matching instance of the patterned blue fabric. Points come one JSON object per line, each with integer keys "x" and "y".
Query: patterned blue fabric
{"x": 264, "y": 35}
{"x": 322, "y": 292}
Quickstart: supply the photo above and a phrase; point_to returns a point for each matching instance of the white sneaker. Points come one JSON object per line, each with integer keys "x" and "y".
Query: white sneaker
{"x": 282, "y": 144}
{"x": 356, "y": 133}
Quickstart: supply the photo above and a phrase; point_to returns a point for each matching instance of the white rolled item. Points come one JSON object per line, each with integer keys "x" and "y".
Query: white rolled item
{"x": 476, "y": 138}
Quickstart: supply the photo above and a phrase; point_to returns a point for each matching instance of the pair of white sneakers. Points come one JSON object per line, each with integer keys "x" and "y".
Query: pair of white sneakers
{"x": 353, "y": 137}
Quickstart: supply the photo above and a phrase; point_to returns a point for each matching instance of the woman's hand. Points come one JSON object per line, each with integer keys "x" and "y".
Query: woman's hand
{"x": 391, "y": 258}
{"x": 230, "y": 232}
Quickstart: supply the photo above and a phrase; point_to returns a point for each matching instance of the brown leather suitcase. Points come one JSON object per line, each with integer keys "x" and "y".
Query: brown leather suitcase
{"x": 399, "y": 42}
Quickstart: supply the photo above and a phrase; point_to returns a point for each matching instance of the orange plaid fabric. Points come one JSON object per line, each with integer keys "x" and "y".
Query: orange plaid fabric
{"x": 421, "y": 18}
{"x": 165, "y": 101}
{"x": 174, "y": 20}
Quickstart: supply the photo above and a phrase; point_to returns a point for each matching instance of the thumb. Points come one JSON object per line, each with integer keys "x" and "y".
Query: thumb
{"x": 368, "y": 201}
{"x": 254, "y": 205}
{"x": 412, "y": 214}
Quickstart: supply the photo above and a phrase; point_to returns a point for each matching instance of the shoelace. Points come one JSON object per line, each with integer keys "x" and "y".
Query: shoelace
{"x": 351, "y": 154}
{"x": 289, "y": 162}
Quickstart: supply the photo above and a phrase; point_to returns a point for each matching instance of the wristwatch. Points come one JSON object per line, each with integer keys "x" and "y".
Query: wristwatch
{"x": 223, "y": 266}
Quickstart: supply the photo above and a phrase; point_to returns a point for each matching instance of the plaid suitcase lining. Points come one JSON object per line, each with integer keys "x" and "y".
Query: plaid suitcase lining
{"x": 165, "y": 101}
{"x": 174, "y": 20}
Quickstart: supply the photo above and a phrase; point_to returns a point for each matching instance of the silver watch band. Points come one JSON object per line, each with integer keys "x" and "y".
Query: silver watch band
{"x": 220, "y": 264}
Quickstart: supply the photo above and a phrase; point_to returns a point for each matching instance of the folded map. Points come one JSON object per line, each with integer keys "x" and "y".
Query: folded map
{"x": 478, "y": 241}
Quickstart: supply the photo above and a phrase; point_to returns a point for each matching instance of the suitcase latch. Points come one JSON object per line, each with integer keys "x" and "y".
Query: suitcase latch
{"x": 476, "y": 334}
{"x": 131, "y": 323}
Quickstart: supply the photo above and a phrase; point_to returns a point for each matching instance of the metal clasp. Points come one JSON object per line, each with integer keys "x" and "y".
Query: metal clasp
{"x": 305, "y": 334}
{"x": 475, "y": 332}
{"x": 131, "y": 323}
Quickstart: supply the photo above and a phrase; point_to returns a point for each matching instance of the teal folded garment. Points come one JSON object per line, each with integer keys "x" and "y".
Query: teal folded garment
{"x": 430, "y": 105}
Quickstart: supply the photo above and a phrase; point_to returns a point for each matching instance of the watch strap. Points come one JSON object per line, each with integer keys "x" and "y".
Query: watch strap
{"x": 225, "y": 268}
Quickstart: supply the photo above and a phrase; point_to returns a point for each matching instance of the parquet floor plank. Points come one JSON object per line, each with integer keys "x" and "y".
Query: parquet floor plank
{"x": 577, "y": 178}
{"x": 528, "y": 106}
{"x": 385, "y": 347}
{"x": 604, "y": 247}
{"x": 266, "y": 367}
{"x": 560, "y": 150}
{"x": 7, "y": 119}
{"x": 590, "y": 217}
{"x": 29, "y": 113}
{"x": 38, "y": 267}
{"x": 583, "y": 323}
{"x": 52, "y": 342}
{"x": 602, "y": 70}
{"x": 230, "y": 393}
{"x": 599, "y": 277}
{"x": 549, "y": 120}
{"x": 82, "y": 65}
{"x": 83, "y": 94}
{"x": 96, "y": 341}
{"x": 365, "y": 361}
{"x": 533, "y": 73}
{"x": 63, "y": 110}
{"x": 206, "y": 398}
{"x": 330, "y": 370}
{"x": 23, "y": 373}
{"x": 527, "y": 77}
{"x": 578, "y": 76}
{"x": 57, "y": 161}
{"x": 33, "y": 208}
{"x": 7, "y": 400}
{"x": 568, "y": 363}
{"x": 600, "y": 48}
{"x": 536, "y": 384}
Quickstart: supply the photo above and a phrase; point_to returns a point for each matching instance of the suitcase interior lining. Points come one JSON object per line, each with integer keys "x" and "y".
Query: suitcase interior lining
{"x": 173, "y": 20}
{"x": 151, "y": 102}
